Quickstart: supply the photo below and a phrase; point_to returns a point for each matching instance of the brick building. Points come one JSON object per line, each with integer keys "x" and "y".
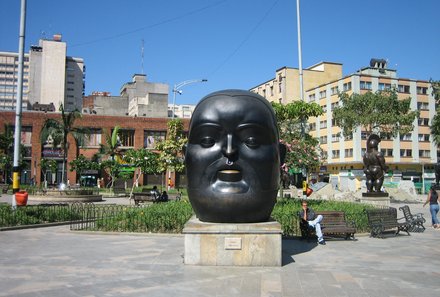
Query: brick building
{"x": 135, "y": 132}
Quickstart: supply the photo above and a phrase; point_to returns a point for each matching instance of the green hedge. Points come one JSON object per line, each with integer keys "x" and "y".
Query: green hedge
{"x": 285, "y": 212}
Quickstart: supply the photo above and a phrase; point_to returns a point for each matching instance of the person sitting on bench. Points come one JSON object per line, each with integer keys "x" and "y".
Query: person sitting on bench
{"x": 309, "y": 217}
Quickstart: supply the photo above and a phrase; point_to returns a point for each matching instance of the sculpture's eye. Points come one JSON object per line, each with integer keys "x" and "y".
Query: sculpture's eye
{"x": 207, "y": 141}
{"x": 251, "y": 142}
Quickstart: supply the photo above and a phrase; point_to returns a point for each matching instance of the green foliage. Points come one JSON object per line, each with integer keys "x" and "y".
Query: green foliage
{"x": 435, "y": 123}
{"x": 82, "y": 163}
{"x": 35, "y": 214}
{"x": 170, "y": 149}
{"x": 59, "y": 131}
{"x": 303, "y": 151}
{"x": 144, "y": 159}
{"x": 285, "y": 212}
{"x": 381, "y": 112}
{"x": 169, "y": 217}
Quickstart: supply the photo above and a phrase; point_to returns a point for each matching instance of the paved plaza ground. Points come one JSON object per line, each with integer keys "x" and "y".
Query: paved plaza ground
{"x": 55, "y": 261}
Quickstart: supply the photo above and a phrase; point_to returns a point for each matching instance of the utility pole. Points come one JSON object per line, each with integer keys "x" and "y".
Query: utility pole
{"x": 18, "y": 106}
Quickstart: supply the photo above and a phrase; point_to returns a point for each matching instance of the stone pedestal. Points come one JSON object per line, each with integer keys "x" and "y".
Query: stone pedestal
{"x": 255, "y": 244}
{"x": 376, "y": 198}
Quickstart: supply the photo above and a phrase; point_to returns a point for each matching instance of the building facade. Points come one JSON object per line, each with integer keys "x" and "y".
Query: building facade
{"x": 135, "y": 132}
{"x": 284, "y": 88}
{"x": 409, "y": 157}
{"x": 138, "y": 98}
{"x": 49, "y": 76}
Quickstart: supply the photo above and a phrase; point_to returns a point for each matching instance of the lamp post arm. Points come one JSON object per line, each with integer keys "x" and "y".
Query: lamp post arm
{"x": 177, "y": 87}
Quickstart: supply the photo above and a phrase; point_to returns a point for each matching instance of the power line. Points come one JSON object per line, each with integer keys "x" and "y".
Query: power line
{"x": 244, "y": 40}
{"x": 166, "y": 21}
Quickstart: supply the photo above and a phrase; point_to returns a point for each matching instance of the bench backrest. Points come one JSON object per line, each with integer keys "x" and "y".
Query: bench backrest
{"x": 406, "y": 212}
{"x": 332, "y": 217}
{"x": 386, "y": 215}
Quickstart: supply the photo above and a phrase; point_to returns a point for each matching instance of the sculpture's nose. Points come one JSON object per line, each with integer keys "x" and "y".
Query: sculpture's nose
{"x": 230, "y": 149}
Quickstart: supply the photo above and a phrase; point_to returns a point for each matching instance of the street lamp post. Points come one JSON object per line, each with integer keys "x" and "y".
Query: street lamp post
{"x": 177, "y": 89}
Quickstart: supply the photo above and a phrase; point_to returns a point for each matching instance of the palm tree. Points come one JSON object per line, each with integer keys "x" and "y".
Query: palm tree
{"x": 59, "y": 131}
{"x": 111, "y": 149}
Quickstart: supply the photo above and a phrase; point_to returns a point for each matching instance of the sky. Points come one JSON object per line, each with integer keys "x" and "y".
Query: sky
{"x": 234, "y": 44}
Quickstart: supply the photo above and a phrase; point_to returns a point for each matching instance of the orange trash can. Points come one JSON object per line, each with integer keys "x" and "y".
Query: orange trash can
{"x": 21, "y": 198}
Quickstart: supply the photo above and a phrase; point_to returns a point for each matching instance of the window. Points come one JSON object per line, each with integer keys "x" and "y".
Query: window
{"x": 323, "y": 124}
{"x": 383, "y": 86}
{"x": 324, "y": 107}
{"x": 364, "y": 135}
{"x": 323, "y": 139}
{"x": 423, "y": 122}
{"x": 334, "y": 104}
{"x": 271, "y": 90}
{"x": 346, "y": 86}
{"x": 335, "y": 137}
{"x": 126, "y": 138}
{"x": 94, "y": 139}
{"x": 405, "y": 137}
{"x": 423, "y": 105}
{"x": 150, "y": 138}
{"x": 322, "y": 94}
{"x": 312, "y": 126}
{"x": 405, "y": 153}
{"x": 422, "y": 90}
{"x": 324, "y": 154}
{"x": 334, "y": 90}
{"x": 424, "y": 137}
{"x": 349, "y": 153}
{"x": 26, "y": 135}
{"x": 402, "y": 89}
{"x": 365, "y": 85}
{"x": 387, "y": 152}
{"x": 312, "y": 97}
{"x": 424, "y": 154}
{"x": 335, "y": 154}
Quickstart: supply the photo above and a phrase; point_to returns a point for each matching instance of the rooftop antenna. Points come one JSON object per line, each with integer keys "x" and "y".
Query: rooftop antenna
{"x": 142, "y": 57}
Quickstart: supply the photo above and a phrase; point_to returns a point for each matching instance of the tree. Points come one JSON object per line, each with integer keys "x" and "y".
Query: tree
{"x": 6, "y": 144}
{"x": 303, "y": 151}
{"x": 435, "y": 123}
{"x": 144, "y": 160}
{"x": 48, "y": 165}
{"x": 81, "y": 163}
{"x": 111, "y": 149}
{"x": 381, "y": 113}
{"x": 60, "y": 130}
{"x": 170, "y": 149}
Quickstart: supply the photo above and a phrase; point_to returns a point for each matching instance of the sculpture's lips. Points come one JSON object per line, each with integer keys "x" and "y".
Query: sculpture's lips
{"x": 229, "y": 175}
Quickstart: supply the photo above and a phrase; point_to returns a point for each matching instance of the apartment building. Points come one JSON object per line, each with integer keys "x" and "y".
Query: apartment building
{"x": 284, "y": 88}
{"x": 49, "y": 76}
{"x": 409, "y": 157}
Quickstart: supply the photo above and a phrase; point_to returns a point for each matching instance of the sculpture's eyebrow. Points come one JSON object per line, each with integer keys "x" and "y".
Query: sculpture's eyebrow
{"x": 252, "y": 125}
{"x": 208, "y": 125}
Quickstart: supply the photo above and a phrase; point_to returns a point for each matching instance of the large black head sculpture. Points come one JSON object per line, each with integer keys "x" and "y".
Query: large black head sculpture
{"x": 233, "y": 158}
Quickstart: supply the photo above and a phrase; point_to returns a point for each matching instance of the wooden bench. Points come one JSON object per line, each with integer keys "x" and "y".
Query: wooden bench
{"x": 333, "y": 224}
{"x": 385, "y": 219}
{"x": 415, "y": 222}
{"x": 145, "y": 196}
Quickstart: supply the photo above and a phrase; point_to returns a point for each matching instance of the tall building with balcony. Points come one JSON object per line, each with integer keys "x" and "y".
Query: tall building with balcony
{"x": 49, "y": 76}
{"x": 284, "y": 88}
{"x": 409, "y": 157}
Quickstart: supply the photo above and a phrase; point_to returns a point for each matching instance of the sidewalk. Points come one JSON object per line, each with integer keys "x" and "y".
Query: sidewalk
{"x": 58, "y": 262}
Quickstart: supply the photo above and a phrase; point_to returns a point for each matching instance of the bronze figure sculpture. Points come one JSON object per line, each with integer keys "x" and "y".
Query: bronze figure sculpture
{"x": 233, "y": 158}
{"x": 374, "y": 165}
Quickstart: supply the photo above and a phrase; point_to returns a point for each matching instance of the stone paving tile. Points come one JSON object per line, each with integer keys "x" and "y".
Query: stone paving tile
{"x": 56, "y": 262}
